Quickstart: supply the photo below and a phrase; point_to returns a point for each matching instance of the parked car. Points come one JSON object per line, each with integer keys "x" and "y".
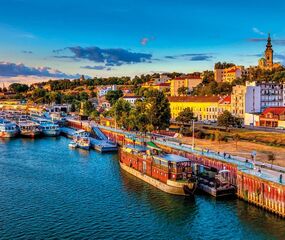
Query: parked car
{"x": 280, "y": 128}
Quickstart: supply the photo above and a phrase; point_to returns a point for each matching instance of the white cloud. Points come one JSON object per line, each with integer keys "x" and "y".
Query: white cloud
{"x": 257, "y": 31}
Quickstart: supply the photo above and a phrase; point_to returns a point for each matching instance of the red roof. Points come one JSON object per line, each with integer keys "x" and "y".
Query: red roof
{"x": 274, "y": 110}
{"x": 163, "y": 84}
{"x": 195, "y": 99}
{"x": 226, "y": 100}
{"x": 189, "y": 76}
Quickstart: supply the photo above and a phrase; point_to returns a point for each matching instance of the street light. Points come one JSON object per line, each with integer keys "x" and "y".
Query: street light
{"x": 193, "y": 137}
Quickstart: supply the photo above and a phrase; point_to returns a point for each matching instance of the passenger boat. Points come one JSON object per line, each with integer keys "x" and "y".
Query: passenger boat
{"x": 217, "y": 185}
{"x": 82, "y": 139}
{"x": 29, "y": 128}
{"x": 48, "y": 128}
{"x": 167, "y": 172}
{"x": 8, "y": 129}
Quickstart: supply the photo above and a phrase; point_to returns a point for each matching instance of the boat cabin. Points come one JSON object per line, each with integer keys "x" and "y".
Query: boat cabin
{"x": 155, "y": 163}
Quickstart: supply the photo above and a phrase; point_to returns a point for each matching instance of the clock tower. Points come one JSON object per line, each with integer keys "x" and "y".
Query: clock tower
{"x": 269, "y": 53}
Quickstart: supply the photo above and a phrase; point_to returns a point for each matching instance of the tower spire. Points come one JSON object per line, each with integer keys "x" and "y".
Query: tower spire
{"x": 269, "y": 45}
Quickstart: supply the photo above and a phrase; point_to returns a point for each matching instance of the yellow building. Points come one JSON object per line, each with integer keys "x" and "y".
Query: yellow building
{"x": 230, "y": 74}
{"x": 189, "y": 81}
{"x": 203, "y": 107}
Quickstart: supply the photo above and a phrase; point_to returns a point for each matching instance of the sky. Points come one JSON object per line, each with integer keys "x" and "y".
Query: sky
{"x": 55, "y": 39}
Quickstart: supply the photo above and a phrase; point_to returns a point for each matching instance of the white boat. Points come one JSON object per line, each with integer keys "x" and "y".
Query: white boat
{"x": 82, "y": 139}
{"x": 8, "y": 129}
{"x": 48, "y": 128}
{"x": 72, "y": 145}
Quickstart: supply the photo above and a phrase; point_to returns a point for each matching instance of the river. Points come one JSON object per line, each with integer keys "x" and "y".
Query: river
{"x": 50, "y": 191}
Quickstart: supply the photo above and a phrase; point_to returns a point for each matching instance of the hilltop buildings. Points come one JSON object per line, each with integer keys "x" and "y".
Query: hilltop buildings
{"x": 188, "y": 81}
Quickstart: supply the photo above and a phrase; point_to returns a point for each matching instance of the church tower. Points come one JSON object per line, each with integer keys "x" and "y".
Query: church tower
{"x": 269, "y": 53}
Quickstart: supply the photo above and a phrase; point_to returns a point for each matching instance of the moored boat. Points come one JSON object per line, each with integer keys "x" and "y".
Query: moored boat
{"x": 82, "y": 139}
{"x": 8, "y": 129}
{"x": 167, "y": 172}
{"x": 29, "y": 129}
{"x": 72, "y": 145}
{"x": 48, "y": 128}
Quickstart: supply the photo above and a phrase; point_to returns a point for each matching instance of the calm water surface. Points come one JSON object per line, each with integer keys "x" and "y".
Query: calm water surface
{"x": 50, "y": 191}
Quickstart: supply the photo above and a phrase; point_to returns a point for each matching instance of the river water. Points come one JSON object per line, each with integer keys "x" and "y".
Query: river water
{"x": 50, "y": 191}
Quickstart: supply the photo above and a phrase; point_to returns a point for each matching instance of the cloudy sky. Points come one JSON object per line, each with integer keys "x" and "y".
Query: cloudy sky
{"x": 43, "y": 39}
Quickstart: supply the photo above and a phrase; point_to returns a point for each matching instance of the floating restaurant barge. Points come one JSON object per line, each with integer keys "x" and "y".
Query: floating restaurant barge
{"x": 167, "y": 172}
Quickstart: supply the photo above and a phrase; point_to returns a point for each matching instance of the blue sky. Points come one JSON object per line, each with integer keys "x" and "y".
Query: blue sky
{"x": 64, "y": 38}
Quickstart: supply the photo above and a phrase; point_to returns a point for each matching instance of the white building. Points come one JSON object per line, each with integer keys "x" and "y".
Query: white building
{"x": 104, "y": 89}
{"x": 260, "y": 96}
{"x": 131, "y": 98}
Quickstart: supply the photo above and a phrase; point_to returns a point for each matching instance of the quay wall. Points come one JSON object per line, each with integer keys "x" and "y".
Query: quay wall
{"x": 262, "y": 193}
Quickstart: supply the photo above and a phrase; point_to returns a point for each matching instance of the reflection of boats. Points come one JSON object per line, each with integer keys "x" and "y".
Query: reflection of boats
{"x": 82, "y": 139}
{"x": 48, "y": 128}
{"x": 217, "y": 185}
{"x": 167, "y": 172}
{"x": 29, "y": 128}
{"x": 8, "y": 129}
{"x": 72, "y": 145}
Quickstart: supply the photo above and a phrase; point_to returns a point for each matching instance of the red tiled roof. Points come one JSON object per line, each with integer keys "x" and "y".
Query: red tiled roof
{"x": 189, "y": 76}
{"x": 274, "y": 110}
{"x": 163, "y": 84}
{"x": 226, "y": 100}
{"x": 130, "y": 95}
{"x": 195, "y": 99}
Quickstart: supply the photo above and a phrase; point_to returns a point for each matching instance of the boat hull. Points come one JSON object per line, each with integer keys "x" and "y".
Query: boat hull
{"x": 31, "y": 134}
{"x": 84, "y": 147}
{"x": 10, "y": 134}
{"x": 51, "y": 133}
{"x": 171, "y": 187}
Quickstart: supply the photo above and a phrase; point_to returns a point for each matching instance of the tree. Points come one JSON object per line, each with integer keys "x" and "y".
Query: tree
{"x": 223, "y": 65}
{"x": 236, "y": 138}
{"x": 185, "y": 116}
{"x": 18, "y": 87}
{"x": 113, "y": 95}
{"x": 157, "y": 109}
{"x": 271, "y": 157}
{"x": 120, "y": 111}
{"x": 86, "y": 108}
{"x": 183, "y": 91}
{"x": 226, "y": 119}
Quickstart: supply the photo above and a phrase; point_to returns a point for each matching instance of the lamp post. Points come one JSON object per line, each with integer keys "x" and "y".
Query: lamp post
{"x": 193, "y": 136}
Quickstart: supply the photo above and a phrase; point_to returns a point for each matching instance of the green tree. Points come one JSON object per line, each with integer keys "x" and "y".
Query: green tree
{"x": 120, "y": 111}
{"x": 113, "y": 95}
{"x": 271, "y": 157}
{"x": 157, "y": 109}
{"x": 183, "y": 91}
{"x": 226, "y": 119}
{"x": 18, "y": 87}
{"x": 185, "y": 116}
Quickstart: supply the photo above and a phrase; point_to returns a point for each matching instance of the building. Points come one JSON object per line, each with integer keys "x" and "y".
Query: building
{"x": 238, "y": 101}
{"x": 131, "y": 98}
{"x": 189, "y": 81}
{"x": 272, "y": 117}
{"x": 267, "y": 62}
{"x": 266, "y": 94}
{"x": 159, "y": 86}
{"x": 102, "y": 91}
{"x": 230, "y": 74}
{"x": 203, "y": 107}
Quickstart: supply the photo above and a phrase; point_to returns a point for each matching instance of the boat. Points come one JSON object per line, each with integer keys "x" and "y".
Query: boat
{"x": 29, "y": 129}
{"x": 216, "y": 184}
{"x": 82, "y": 139}
{"x": 8, "y": 129}
{"x": 72, "y": 145}
{"x": 48, "y": 128}
{"x": 168, "y": 172}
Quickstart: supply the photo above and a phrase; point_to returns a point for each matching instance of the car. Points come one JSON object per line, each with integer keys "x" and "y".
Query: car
{"x": 207, "y": 122}
{"x": 280, "y": 128}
